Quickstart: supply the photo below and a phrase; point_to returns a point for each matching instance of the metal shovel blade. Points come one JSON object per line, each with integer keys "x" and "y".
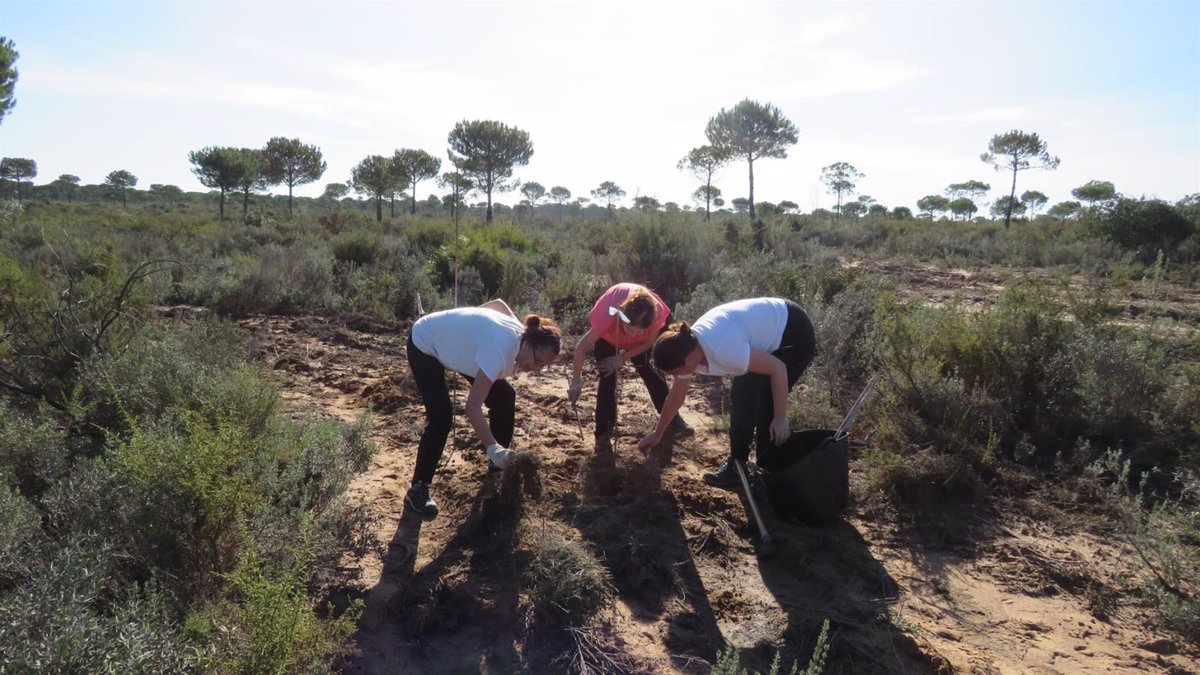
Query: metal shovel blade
{"x": 862, "y": 398}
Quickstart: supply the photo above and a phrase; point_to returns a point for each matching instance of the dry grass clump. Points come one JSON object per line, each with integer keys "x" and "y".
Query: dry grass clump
{"x": 564, "y": 581}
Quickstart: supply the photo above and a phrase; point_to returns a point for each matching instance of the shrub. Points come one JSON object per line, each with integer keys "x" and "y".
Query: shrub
{"x": 33, "y": 450}
{"x": 1163, "y": 536}
{"x": 356, "y": 247}
{"x": 268, "y": 625}
{"x": 564, "y": 581}
{"x": 729, "y": 660}
{"x": 1144, "y": 226}
{"x": 73, "y": 616}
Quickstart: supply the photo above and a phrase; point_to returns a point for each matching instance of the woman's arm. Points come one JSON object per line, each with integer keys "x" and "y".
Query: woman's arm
{"x": 475, "y": 399}
{"x": 766, "y": 364}
{"x": 499, "y": 305}
{"x": 671, "y": 406}
{"x": 585, "y": 343}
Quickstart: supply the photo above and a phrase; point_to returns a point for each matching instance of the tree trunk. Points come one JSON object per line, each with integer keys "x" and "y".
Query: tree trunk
{"x": 412, "y": 211}
{"x": 708, "y": 199}
{"x": 379, "y": 209}
{"x": 488, "y": 184}
{"x": 1011, "y": 195}
{"x": 750, "y": 161}
{"x": 222, "y": 204}
{"x": 289, "y": 201}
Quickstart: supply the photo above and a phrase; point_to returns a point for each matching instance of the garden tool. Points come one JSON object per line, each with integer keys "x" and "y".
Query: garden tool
{"x": 766, "y": 546}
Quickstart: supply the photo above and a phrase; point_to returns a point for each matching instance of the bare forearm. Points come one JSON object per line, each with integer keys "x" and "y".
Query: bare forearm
{"x": 671, "y": 406}
{"x": 480, "y": 424}
{"x": 585, "y": 343}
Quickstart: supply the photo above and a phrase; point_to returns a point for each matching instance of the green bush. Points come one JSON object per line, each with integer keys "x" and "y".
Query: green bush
{"x": 729, "y": 661}
{"x": 74, "y": 616}
{"x": 356, "y": 247}
{"x": 1144, "y": 226}
{"x": 1163, "y": 535}
{"x": 268, "y": 625}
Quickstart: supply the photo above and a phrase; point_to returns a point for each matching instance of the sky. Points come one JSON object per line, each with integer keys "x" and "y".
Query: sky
{"x": 909, "y": 93}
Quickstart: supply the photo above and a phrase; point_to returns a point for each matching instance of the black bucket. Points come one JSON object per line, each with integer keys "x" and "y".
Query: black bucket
{"x": 808, "y": 477}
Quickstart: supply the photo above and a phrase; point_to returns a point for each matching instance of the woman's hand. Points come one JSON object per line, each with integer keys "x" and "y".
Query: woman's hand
{"x": 780, "y": 430}
{"x": 649, "y": 441}
{"x": 611, "y": 364}
{"x": 574, "y": 389}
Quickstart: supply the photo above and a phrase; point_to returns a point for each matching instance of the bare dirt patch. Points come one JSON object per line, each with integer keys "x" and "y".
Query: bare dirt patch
{"x": 1015, "y": 596}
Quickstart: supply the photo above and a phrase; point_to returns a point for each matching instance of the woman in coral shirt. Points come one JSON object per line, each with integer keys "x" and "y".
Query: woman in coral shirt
{"x": 624, "y": 323}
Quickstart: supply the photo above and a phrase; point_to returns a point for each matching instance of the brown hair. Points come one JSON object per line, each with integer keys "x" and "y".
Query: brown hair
{"x": 639, "y": 306}
{"x": 542, "y": 333}
{"x": 673, "y": 346}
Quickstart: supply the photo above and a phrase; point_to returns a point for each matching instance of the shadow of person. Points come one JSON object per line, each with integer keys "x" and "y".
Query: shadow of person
{"x": 827, "y": 572}
{"x": 465, "y": 594}
{"x": 637, "y": 531}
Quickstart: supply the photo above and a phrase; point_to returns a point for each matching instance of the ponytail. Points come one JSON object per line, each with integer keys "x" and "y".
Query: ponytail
{"x": 542, "y": 333}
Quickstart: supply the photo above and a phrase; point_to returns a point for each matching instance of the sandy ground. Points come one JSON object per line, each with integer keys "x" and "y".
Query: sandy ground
{"x": 961, "y": 592}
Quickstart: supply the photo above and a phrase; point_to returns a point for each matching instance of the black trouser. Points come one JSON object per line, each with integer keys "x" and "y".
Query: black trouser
{"x": 606, "y": 394}
{"x": 430, "y": 376}
{"x": 752, "y": 405}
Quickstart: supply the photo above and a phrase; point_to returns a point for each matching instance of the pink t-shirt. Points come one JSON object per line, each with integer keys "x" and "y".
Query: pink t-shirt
{"x": 618, "y": 333}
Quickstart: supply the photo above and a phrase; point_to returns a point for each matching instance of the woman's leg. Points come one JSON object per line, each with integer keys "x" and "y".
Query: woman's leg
{"x": 744, "y": 411}
{"x": 501, "y": 403}
{"x": 656, "y": 385}
{"x": 606, "y": 391}
{"x": 430, "y": 377}
{"x": 796, "y": 351}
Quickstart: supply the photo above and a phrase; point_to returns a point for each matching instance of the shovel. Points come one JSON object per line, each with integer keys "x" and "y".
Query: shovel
{"x": 766, "y": 546}
{"x": 855, "y": 409}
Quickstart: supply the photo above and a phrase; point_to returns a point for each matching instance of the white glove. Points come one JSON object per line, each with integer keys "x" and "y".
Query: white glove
{"x": 574, "y": 389}
{"x": 498, "y": 454}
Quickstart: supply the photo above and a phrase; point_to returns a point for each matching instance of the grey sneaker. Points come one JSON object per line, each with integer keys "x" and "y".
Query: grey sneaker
{"x": 604, "y": 444}
{"x": 724, "y": 477}
{"x": 681, "y": 427}
{"x": 418, "y": 499}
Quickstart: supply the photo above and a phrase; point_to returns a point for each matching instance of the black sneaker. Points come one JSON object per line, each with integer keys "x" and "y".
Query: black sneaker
{"x": 681, "y": 428}
{"x": 724, "y": 477}
{"x": 418, "y": 499}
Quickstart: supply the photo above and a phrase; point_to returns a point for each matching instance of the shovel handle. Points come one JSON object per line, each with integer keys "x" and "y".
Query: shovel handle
{"x": 763, "y": 536}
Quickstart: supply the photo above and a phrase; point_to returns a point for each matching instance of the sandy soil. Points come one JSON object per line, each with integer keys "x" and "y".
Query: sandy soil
{"x": 957, "y": 592}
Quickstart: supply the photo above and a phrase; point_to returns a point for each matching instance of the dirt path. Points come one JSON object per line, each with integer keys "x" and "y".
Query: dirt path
{"x": 972, "y": 594}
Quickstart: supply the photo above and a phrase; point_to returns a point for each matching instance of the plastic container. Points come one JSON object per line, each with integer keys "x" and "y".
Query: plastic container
{"x": 808, "y": 477}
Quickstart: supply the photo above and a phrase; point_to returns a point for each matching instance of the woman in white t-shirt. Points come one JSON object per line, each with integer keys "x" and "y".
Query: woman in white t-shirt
{"x": 624, "y": 322}
{"x": 486, "y": 344}
{"x": 766, "y": 344}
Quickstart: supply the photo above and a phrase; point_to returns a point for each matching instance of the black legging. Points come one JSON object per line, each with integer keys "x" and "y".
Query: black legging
{"x": 430, "y": 376}
{"x": 752, "y": 403}
{"x": 606, "y": 394}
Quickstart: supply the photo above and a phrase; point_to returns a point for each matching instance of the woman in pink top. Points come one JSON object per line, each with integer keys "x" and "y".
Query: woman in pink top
{"x": 624, "y": 323}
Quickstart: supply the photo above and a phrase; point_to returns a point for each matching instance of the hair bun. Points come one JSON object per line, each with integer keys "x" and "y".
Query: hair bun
{"x": 532, "y": 321}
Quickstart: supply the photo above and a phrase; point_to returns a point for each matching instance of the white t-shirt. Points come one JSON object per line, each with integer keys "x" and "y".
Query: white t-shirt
{"x": 728, "y": 332}
{"x": 470, "y": 340}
